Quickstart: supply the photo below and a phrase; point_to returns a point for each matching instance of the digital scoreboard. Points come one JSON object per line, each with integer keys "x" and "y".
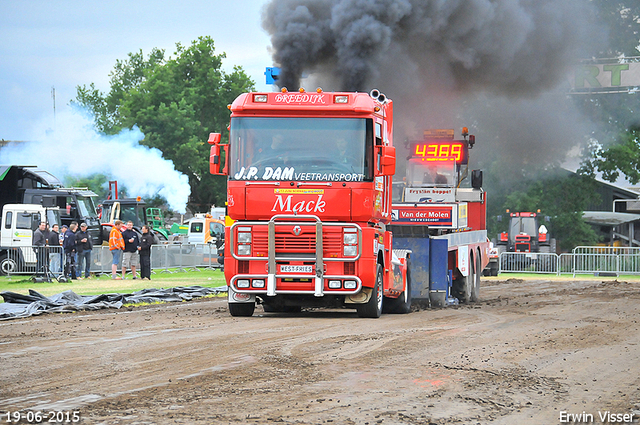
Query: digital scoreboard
{"x": 438, "y": 151}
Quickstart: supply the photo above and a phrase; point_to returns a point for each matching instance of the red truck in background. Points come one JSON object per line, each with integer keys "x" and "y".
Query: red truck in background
{"x": 309, "y": 190}
{"x": 442, "y": 223}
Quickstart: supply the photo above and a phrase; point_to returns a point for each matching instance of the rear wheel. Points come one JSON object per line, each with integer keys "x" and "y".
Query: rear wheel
{"x": 242, "y": 309}
{"x": 463, "y": 285}
{"x": 373, "y": 307}
{"x": 475, "y": 293}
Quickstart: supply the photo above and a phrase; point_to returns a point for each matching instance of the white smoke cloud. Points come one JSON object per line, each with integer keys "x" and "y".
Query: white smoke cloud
{"x": 75, "y": 148}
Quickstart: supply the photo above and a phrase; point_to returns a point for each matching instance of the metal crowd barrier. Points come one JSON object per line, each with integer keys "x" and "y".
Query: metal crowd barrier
{"x": 169, "y": 258}
{"x": 582, "y": 260}
{"x": 528, "y": 262}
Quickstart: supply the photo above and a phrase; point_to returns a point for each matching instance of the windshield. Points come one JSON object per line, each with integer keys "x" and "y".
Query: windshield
{"x": 132, "y": 213}
{"x": 86, "y": 207}
{"x": 320, "y": 149}
{"x": 523, "y": 225}
{"x": 421, "y": 173}
{"x": 53, "y": 217}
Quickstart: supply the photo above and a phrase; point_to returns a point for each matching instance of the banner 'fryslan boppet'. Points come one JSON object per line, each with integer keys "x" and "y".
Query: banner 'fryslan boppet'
{"x": 605, "y": 77}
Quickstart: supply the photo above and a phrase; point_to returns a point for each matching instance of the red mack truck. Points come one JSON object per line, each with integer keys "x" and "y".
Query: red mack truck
{"x": 310, "y": 190}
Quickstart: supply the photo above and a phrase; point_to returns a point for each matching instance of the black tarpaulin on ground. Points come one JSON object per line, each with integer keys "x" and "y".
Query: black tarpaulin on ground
{"x": 19, "y": 305}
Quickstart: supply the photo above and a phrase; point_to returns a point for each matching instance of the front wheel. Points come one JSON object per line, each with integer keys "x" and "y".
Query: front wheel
{"x": 242, "y": 309}
{"x": 8, "y": 265}
{"x": 373, "y": 307}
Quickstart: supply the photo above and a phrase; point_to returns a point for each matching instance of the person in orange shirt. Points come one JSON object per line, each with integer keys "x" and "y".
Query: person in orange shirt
{"x": 116, "y": 246}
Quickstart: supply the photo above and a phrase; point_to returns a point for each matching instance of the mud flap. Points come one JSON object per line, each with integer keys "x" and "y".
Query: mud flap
{"x": 237, "y": 297}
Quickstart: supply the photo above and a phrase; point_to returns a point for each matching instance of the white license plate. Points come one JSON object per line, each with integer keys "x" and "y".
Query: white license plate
{"x": 296, "y": 269}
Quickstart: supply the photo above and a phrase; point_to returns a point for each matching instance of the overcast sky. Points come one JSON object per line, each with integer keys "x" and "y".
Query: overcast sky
{"x": 66, "y": 43}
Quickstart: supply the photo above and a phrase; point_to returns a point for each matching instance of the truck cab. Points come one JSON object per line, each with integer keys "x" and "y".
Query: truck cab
{"x": 19, "y": 222}
{"x": 309, "y": 193}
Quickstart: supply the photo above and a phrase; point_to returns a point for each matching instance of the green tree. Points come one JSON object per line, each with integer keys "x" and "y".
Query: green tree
{"x": 563, "y": 198}
{"x": 176, "y": 102}
{"x": 623, "y": 157}
{"x": 95, "y": 182}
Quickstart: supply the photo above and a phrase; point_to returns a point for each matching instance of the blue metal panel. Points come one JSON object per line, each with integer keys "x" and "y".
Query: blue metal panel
{"x": 272, "y": 73}
{"x": 438, "y": 265}
{"x": 419, "y": 264}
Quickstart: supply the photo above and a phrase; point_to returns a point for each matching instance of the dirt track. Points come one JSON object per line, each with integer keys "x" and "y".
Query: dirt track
{"x": 529, "y": 351}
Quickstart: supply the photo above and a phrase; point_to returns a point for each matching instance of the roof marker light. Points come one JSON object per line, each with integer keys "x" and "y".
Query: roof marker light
{"x": 341, "y": 99}
{"x": 319, "y": 90}
{"x": 284, "y": 90}
{"x": 301, "y": 89}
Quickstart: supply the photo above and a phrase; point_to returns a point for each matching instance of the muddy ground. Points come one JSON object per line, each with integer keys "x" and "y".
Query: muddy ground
{"x": 528, "y": 353}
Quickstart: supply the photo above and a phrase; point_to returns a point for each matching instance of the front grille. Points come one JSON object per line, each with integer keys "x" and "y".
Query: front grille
{"x": 304, "y": 243}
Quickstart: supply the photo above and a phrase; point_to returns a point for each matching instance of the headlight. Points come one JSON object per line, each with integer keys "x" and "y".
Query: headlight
{"x": 350, "y": 238}
{"x": 244, "y": 237}
{"x": 334, "y": 284}
{"x": 350, "y": 250}
{"x": 242, "y": 283}
{"x": 257, "y": 283}
{"x": 350, "y": 284}
{"x": 244, "y": 249}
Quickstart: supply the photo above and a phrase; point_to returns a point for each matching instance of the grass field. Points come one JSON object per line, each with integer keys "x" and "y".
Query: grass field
{"x": 105, "y": 285}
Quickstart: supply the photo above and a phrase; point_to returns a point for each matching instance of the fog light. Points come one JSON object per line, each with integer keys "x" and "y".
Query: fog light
{"x": 257, "y": 283}
{"x": 350, "y": 251}
{"x": 244, "y": 249}
{"x": 242, "y": 283}
{"x": 350, "y": 284}
{"x": 334, "y": 284}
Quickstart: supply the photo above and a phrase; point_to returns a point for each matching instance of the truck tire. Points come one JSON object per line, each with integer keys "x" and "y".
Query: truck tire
{"x": 475, "y": 293}
{"x": 7, "y": 265}
{"x": 463, "y": 286}
{"x": 402, "y": 304}
{"x": 373, "y": 308}
{"x": 242, "y": 309}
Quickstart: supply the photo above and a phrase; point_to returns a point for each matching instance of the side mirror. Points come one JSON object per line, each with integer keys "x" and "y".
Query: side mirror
{"x": 387, "y": 161}
{"x": 215, "y": 159}
{"x": 476, "y": 179}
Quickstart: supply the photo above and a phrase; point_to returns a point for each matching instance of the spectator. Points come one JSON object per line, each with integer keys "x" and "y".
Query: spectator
{"x": 70, "y": 250}
{"x": 116, "y": 246}
{"x": 84, "y": 246}
{"x": 146, "y": 241}
{"x": 40, "y": 237}
{"x": 131, "y": 248}
{"x": 55, "y": 251}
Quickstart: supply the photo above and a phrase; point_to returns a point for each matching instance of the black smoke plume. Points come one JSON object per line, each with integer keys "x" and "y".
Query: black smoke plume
{"x": 496, "y": 66}
{"x": 512, "y": 47}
